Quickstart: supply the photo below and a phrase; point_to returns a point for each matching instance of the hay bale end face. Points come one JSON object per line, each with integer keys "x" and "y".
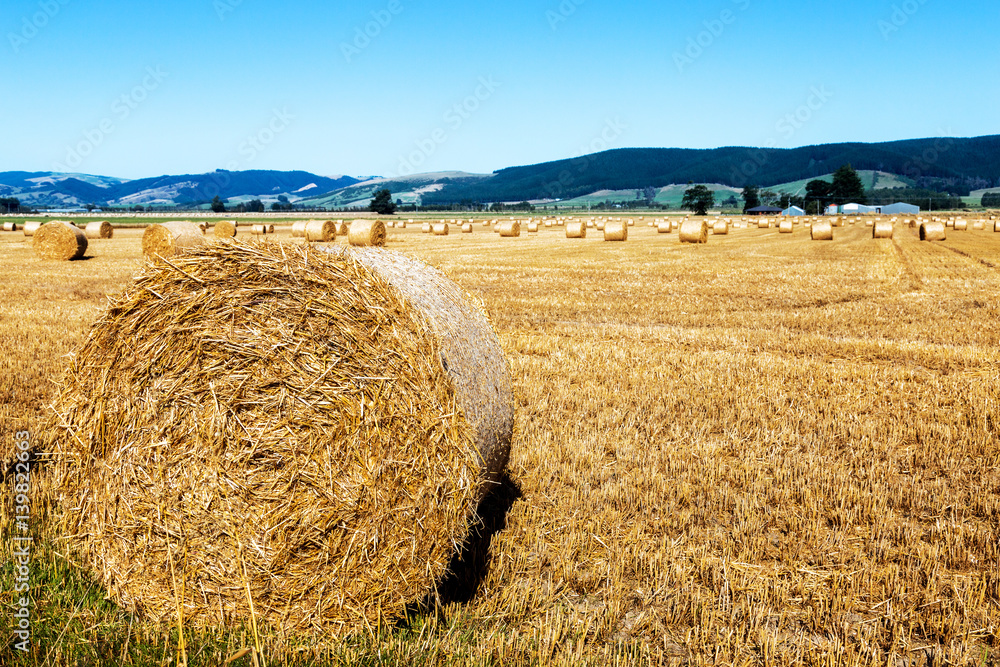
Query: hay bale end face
{"x": 321, "y": 231}
{"x": 381, "y": 446}
{"x": 364, "y": 232}
{"x": 224, "y": 229}
{"x": 616, "y": 230}
{"x": 882, "y": 229}
{"x": 10, "y": 226}
{"x": 99, "y": 229}
{"x": 59, "y": 241}
{"x": 932, "y": 231}
{"x": 171, "y": 238}
{"x": 694, "y": 231}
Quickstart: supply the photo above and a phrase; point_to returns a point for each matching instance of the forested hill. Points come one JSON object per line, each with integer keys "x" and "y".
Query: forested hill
{"x": 948, "y": 164}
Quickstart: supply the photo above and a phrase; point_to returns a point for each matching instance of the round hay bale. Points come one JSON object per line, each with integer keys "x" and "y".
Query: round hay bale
{"x": 533, "y": 227}
{"x": 785, "y": 227}
{"x": 401, "y": 224}
{"x": 882, "y": 230}
{"x": 932, "y": 231}
{"x": 299, "y": 228}
{"x": 979, "y": 224}
{"x": 203, "y": 226}
{"x": 59, "y": 240}
{"x": 869, "y": 222}
{"x": 270, "y": 229}
{"x": 367, "y": 233}
{"x": 601, "y": 224}
{"x": 763, "y": 224}
{"x": 10, "y": 226}
{"x": 576, "y": 229}
{"x": 664, "y": 227}
{"x": 31, "y": 226}
{"x": 440, "y": 229}
{"x": 616, "y": 230}
{"x": 322, "y": 231}
{"x": 258, "y": 230}
{"x": 171, "y": 238}
{"x": 467, "y": 228}
{"x": 721, "y": 227}
{"x": 631, "y": 222}
{"x": 342, "y": 229}
{"x": 509, "y": 229}
{"x": 821, "y": 230}
{"x": 226, "y": 229}
{"x": 425, "y": 228}
{"x": 996, "y": 226}
{"x": 99, "y": 229}
{"x": 333, "y": 480}
{"x": 961, "y": 225}
{"x": 694, "y": 231}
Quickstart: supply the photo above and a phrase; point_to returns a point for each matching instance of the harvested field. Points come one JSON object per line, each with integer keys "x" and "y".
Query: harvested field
{"x": 762, "y": 450}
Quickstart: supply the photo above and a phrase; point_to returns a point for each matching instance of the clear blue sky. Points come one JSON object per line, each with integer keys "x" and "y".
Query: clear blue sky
{"x": 134, "y": 89}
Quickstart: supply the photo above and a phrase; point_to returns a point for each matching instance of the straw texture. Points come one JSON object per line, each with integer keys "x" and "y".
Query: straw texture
{"x": 224, "y": 229}
{"x": 59, "y": 240}
{"x": 325, "y": 422}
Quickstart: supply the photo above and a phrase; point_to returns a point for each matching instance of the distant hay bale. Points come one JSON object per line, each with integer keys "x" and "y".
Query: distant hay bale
{"x": 467, "y": 228}
{"x": 932, "y": 231}
{"x": 979, "y": 224}
{"x": 364, "y": 232}
{"x": 322, "y": 231}
{"x": 631, "y": 222}
{"x": 996, "y": 226}
{"x": 59, "y": 240}
{"x": 821, "y": 230}
{"x": 425, "y": 228}
{"x": 785, "y": 227}
{"x": 616, "y": 230}
{"x": 10, "y": 226}
{"x": 720, "y": 228}
{"x": 31, "y": 226}
{"x": 226, "y": 229}
{"x": 601, "y": 224}
{"x": 576, "y": 229}
{"x": 763, "y": 224}
{"x": 533, "y": 227}
{"x": 961, "y": 225}
{"x": 299, "y": 228}
{"x": 440, "y": 229}
{"x": 171, "y": 238}
{"x": 330, "y": 481}
{"x": 511, "y": 228}
{"x": 99, "y": 229}
{"x": 401, "y": 224}
{"x": 664, "y": 227}
{"x": 882, "y": 230}
{"x": 342, "y": 228}
{"x": 694, "y": 231}
{"x": 203, "y": 226}
{"x": 259, "y": 230}
{"x": 869, "y": 222}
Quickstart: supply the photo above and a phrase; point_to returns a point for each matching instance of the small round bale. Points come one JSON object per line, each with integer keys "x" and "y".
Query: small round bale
{"x": 270, "y": 229}
{"x": 31, "y": 226}
{"x": 171, "y": 238}
{"x": 323, "y": 231}
{"x": 59, "y": 240}
{"x": 509, "y": 229}
{"x": 304, "y": 436}
{"x": 425, "y": 228}
{"x": 299, "y": 228}
{"x": 932, "y": 231}
{"x": 224, "y": 229}
{"x": 342, "y": 229}
{"x": 401, "y": 224}
{"x": 258, "y": 230}
{"x": 996, "y": 226}
{"x": 785, "y": 227}
{"x": 882, "y": 230}
{"x": 467, "y": 228}
{"x": 365, "y": 232}
{"x": 821, "y": 230}
{"x": 694, "y": 231}
{"x": 10, "y": 226}
{"x": 440, "y": 229}
{"x": 961, "y": 225}
{"x": 763, "y": 224}
{"x": 99, "y": 229}
{"x": 720, "y": 228}
{"x": 664, "y": 227}
{"x": 616, "y": 230}
{"x": 979, "y": 224}
{"x": 576, "y": 229}
{"x": 601, "y": 224}
{"x": 533, "y": 227}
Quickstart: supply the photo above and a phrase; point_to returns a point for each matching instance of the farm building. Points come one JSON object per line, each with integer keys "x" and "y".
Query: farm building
{"x": 850, "y": 209}
{"x": 898, "y": 208}
{"x": 793, "y": 210}
{"x": 764, "y": 210}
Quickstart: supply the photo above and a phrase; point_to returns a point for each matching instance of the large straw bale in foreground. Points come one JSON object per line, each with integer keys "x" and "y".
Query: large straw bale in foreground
{"x": 694, "y": 231}
{"x": 99, "y": 229}
{"x": 326, "y": 422}
{"x": 59, "y": 240}
{"x": 365, "y": 232}
{"x": 171, "y": 238}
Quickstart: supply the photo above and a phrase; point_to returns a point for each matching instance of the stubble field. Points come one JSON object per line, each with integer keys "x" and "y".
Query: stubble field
{"x": 763, "y": 450}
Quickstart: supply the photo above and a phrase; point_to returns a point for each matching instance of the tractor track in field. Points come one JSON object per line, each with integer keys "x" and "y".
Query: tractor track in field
{"x": 916, "y": 282}
{"x": 968, "y": 256}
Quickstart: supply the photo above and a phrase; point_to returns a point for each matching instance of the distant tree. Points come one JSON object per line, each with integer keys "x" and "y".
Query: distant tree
{"x": 276, "y": 206}
{"x": 649, "y": 194}
{"x": 768, "y": 197}
{"x": 217, "y": 205}
{"x": 990, "y": 200}
{"x": 847, "y": 186}
{"x": 786, "y": 201}
{"x": 382, "y": 203}
{"x": 698, "y": 199}
{"x": 10, "y": 204}
{"x": 255, "y": 206}
{"x": 751, "y": 197}
{"x": 732, "y": 202}
{"x": 817, "y": 193}
{"x": 138, "y": 209}
{"x": 90, "y": 207}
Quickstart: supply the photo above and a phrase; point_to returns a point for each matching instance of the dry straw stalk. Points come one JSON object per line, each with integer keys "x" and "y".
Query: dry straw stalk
{"x": 320, "y": 426}
{"x": 59, "y": 240}
{"x": 365, "y": 232}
